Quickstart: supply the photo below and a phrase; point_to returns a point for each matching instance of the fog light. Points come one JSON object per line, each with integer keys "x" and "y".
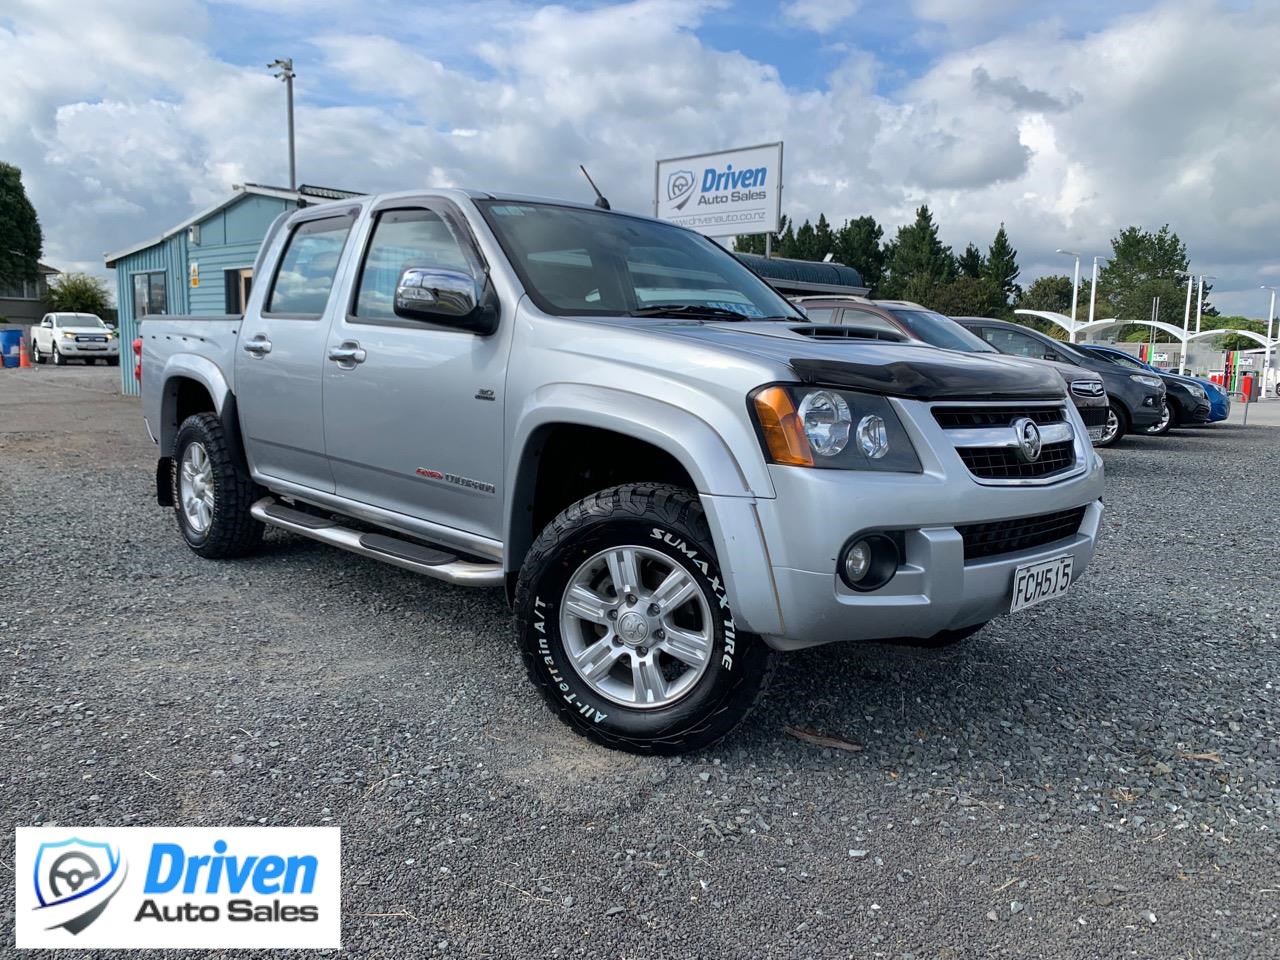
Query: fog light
{"x": 869, "y": 562}
{"x": 857, "y": 561}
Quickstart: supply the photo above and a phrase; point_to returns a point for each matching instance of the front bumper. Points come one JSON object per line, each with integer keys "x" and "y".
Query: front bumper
{"x": 1146, "y": 412}
{"x": 785, "y": 587}
{"x": 1200, "y": 413}
{"x": 70, "y": 348}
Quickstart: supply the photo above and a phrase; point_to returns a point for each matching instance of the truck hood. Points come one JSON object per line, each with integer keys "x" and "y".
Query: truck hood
{"x": 821, "y": 353}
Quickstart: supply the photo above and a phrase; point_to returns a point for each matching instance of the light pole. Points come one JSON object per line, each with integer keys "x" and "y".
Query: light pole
{"x": 1093, "y": 287}
{"x": 1266, "y": 355}
{"x": 1186, "y": 325}
{"x": 1075, "y": 290}
{"x": 1200, "y": 298}
{"x": 284, "y": 66}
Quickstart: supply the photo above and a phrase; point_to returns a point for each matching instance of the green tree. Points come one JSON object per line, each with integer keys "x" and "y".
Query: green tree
{"x": 967, "y": 296}
{"x": 1233, "y": 341}
{"x": 21, "y": 241}
{"x": 1145, "y": 265}
{"x": 1002, "y": 266}
{"x": 916, "y": 259}
{"x": 78, "y": 293}
{"x": 1047, "y": 293}
{"x": 806, "y": 244}
{"x": 971, "y": 263}
{"x": 857, "y": 244}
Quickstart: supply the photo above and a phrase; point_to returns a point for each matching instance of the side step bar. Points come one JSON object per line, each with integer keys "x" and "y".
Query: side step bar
{"x": 399, "y": 553}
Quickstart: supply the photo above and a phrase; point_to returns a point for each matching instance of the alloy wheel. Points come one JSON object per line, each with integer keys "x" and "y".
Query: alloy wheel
{"x": 636, "y": 626}
{"x": 195, "y": 488}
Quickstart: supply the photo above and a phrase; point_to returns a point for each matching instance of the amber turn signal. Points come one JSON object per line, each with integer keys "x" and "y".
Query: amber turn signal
{"x": 782, "y": 429}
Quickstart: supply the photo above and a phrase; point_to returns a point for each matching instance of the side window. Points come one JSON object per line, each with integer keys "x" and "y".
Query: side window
{"x": 867, "y": 320}
{"x": 305, "y": 275}
{"x": 820, "y": 314}
{"x": 1017, "y": 344}
{"x": 47, "y": 321}
{"x": 403, "y": 239}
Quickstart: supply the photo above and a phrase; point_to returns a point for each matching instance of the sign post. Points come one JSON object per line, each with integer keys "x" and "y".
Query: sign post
{"x": 729, "y": 193}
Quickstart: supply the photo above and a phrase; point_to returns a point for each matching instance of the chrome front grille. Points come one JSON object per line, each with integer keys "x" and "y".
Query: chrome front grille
{"x": 1012, "y": 443}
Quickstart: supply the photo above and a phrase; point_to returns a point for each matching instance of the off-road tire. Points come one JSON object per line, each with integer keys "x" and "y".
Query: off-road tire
{"x": 663, "y": 518}
{"x": 233, "y": 532}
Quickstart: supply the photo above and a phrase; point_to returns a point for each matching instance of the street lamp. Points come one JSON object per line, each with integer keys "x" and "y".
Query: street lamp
{"x": 1075, "y": 290}
{"x": 1186, "y": 325}
{"x": 1093, "y": 287}
{"x": 1200, "y": 297}
{"x": 1266, "y": 356}
{"x": 284, "y": 68}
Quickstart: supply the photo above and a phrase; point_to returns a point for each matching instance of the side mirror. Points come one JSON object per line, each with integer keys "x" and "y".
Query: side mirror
{"x": 452, "y": 298}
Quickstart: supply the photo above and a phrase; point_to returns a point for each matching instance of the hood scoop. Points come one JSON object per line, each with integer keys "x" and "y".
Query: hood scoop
{"x": 826, "y": 331}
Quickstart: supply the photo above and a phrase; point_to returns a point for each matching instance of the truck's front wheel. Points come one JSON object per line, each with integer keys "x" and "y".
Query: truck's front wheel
{"x": 625, "y": 626}
{"x": 212, "y": 492}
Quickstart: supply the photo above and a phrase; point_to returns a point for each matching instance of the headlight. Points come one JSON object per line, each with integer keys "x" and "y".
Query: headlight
{"x": 1146, "y": 380}
{"x": 811, "y": 427}
{"x": 68, "y": 335}
{"x": 1197, "y": 391}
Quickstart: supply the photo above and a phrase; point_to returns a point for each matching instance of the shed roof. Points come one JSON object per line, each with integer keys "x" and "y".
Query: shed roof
{"x": 805, "y": 275}
{"x": 305, "y": 194}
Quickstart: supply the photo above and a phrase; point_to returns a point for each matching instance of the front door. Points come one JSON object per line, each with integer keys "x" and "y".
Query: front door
{"x": 280, "y": 355}
{"x": 414, "y": 410}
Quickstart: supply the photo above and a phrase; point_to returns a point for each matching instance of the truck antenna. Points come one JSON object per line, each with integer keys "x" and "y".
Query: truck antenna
{"x": 601, "y": 202}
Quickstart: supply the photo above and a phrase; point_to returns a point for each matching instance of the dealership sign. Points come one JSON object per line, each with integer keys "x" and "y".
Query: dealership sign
{"x": 203, "y": 887}
{"x": 722, "y": 194}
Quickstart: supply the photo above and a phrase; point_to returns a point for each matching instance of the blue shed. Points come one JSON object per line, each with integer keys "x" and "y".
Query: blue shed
{"x": 202, "y": 265}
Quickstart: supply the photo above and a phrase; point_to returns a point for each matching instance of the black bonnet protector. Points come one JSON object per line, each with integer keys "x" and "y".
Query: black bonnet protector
{"x": 957, "y": 376}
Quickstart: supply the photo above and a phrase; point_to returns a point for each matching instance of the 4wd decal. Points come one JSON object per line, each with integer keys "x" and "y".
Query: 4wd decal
{"x": 730, "y": 634}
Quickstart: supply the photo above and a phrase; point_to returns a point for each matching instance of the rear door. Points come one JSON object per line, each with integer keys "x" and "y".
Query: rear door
{"x": 414, "y": 410}
{"x": 280, "y": 353}
{"x": 1019, "y": 344}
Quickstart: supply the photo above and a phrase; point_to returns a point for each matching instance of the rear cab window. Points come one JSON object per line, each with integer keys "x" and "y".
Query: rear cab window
{"x": 304, "y": 277}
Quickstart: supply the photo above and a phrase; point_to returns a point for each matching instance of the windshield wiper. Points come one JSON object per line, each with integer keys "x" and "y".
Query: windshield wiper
{"x": 693, "y": 310}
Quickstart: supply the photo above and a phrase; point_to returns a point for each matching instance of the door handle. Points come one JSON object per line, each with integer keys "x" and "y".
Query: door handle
{"x": 347, "y": 354}
{"x": 259, "y": 346}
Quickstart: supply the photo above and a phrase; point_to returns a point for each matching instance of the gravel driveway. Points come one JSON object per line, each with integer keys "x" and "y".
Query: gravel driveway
{"x": 1096, "y": 777}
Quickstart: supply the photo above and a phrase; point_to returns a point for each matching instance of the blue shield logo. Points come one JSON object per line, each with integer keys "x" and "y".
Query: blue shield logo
{"x": 75, "y": 880}
{"x": 680, "y": 184}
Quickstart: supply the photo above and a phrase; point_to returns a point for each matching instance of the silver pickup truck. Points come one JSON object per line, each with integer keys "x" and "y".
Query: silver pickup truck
{"x": 672, "y": 473}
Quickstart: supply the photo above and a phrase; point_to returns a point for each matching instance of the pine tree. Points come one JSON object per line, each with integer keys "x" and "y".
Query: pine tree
{"x": 21, "y": 241}
{"x": 857, "y": 244}
{"x": 1002, "y": 266}
{"x": 917, "y": 259}
{"x": 971, "y": 263}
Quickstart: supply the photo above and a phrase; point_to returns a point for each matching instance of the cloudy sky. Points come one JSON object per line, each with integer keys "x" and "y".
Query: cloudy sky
{"x": 1066, "y": 120}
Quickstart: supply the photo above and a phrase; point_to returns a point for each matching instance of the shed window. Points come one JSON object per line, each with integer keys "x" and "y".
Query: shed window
{"x": 149, "y": 294}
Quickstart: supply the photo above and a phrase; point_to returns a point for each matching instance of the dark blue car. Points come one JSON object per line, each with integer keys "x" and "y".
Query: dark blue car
{"x": 1219, "y": 401}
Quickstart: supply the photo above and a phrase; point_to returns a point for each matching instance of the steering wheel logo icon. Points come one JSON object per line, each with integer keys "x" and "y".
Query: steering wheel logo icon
{"x": 73, "y": 876}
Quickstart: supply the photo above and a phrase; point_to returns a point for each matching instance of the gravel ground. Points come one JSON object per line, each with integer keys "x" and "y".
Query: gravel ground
{"x": 1097, "y": 777}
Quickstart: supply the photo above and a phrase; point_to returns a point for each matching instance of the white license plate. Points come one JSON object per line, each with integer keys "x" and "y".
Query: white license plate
{"x": 93, "y": 346}
{"x": 1037, "y": 582}
{"x": 1095, "y": 433}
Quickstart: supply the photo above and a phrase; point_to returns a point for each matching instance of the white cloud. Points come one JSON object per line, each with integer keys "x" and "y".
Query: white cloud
{"x": 1164, "y": 116}
{"x": 819, "y": 15}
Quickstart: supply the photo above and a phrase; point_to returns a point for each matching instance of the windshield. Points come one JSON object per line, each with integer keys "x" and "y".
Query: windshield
{"x": 582, "y": 262}
{"x": 80, "y": 320}
{"x": 1129, "y": 362}
{"x": 940, "y": 331}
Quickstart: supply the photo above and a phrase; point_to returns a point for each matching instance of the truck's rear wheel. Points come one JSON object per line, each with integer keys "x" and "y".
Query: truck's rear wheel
{"x": 625, "y": 627}
{"x": 212, "y": 492}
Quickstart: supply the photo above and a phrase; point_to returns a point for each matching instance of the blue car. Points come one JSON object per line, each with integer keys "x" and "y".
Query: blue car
{"x": 1219, "y": 401}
